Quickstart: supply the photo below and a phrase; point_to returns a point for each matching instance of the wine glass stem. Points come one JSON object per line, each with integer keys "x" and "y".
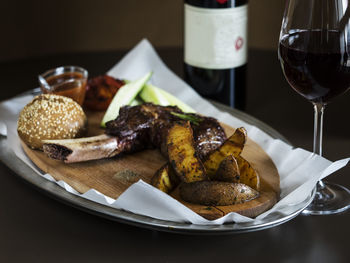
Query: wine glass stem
{"x": 329, "y": 198}
{"x": 318, "y": 133}
{"x": 318, "y": 127}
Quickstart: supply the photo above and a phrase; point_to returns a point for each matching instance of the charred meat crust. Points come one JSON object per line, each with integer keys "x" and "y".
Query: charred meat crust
{"x": 208, "y": 136}
{"x": 141, "y": 127}
{"x": 147, "y": 126}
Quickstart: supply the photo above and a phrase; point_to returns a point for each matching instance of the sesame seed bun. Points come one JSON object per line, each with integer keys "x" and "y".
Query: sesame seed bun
{"x": 49, "y": 117}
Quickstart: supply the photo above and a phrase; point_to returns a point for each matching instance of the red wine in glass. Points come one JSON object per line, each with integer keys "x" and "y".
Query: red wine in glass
{"x": 318, "y": 73}
{"x": 314, "y": 51}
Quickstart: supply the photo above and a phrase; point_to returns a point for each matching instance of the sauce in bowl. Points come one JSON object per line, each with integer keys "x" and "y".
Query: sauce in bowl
{"x": 66, "y": 81}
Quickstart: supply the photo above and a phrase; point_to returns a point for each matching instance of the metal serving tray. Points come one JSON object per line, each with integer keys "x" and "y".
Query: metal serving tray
{"x": 8, "y": 157}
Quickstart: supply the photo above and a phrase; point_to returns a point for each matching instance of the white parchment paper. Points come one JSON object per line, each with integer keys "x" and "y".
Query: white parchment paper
{"x": 299, "y": 169}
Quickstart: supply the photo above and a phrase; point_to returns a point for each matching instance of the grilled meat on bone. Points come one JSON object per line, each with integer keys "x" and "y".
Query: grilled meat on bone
{"x": 148, "y": 125}
{"x": 144, "y": 126}
{"x": 137, "y": 128}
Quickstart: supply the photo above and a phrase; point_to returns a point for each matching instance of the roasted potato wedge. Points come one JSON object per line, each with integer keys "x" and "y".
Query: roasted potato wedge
{"x": 232, "y": 146}
{"x": 216, "y": 193}
{"x": 248, "y": 175}
{"x": 182, "y": 154}
{"x": 165, "y": 179}
{"x": 228, "y": 170}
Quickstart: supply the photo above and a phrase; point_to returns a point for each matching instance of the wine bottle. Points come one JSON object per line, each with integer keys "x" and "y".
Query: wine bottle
{"x": 215, "y": 49}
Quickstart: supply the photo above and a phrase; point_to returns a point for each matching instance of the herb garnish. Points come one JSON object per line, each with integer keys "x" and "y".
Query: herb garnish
{"x": 188, "y": 117}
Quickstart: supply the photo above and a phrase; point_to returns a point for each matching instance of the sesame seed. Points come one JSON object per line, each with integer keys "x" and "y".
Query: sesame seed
{"x": 50, "y": 116}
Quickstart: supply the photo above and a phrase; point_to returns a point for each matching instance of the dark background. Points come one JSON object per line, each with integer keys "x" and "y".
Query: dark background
{"x": 37, "y": 27}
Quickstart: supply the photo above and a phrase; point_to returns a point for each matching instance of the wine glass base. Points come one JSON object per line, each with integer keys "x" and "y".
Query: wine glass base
{"x": 332, "y": 199}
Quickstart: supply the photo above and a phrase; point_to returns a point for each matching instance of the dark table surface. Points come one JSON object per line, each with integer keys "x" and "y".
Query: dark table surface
{"x": 36, "y": 228}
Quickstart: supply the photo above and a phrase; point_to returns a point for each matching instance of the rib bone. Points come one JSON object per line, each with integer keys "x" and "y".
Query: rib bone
{"x": 82, "y": 149}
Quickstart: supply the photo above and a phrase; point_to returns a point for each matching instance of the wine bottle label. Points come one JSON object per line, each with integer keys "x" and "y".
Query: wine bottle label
{"x": 215, "y": 38}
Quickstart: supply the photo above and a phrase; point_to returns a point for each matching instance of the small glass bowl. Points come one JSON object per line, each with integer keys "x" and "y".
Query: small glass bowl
{"x": 69, "y": 81}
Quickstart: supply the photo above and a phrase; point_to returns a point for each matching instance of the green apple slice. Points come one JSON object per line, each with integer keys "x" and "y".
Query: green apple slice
{"x": 159, "y": 96}
{"x": 150, "y": 93}
{"x": 125, "y": 95}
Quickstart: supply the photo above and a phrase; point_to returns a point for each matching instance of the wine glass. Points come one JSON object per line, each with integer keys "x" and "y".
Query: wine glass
{"x": 314, "y": 51}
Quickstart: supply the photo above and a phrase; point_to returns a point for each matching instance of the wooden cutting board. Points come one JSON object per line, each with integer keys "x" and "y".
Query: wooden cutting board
{"x": 113, "y": 176}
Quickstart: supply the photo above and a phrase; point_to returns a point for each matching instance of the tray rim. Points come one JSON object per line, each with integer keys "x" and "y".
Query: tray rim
{"x": 53, "y": 190}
